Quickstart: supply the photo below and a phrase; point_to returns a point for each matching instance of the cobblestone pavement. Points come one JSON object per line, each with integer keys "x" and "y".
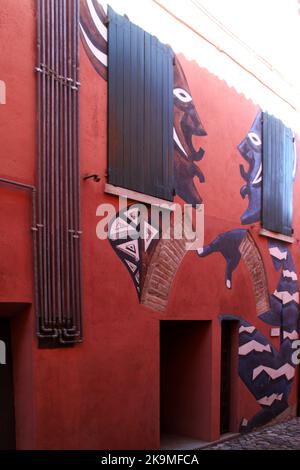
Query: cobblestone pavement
{"x": 285, "y": 436}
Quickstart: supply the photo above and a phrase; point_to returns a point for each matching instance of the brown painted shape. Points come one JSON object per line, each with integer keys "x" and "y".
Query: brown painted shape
{"x": 93, "y": 35}
{"x": 253, "y": 260}
{"x": 165, "y": 260}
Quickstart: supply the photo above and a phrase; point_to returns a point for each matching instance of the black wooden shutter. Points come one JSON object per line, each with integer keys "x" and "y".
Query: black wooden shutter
{"x": 278, "y": 164}
{"x": 140, "y": 109}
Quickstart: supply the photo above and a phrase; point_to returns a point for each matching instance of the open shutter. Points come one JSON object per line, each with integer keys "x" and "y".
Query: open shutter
{"x": 278, "y": 164}
{"x": 140, "y": 107}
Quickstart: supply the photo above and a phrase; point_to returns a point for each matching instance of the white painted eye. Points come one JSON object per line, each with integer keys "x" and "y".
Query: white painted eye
{"x": 182, "y": 95}
{"x": 254, "y": 138}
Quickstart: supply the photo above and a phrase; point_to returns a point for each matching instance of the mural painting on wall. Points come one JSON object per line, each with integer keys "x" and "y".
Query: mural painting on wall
{"x": 267, "y": 373}
{"x": 94, "y": 34}
{"x": 186, "y": 120}
{"x": 250, "y": 149}
{"x": 186, "y": 124}
{"x": 133, "y": 250}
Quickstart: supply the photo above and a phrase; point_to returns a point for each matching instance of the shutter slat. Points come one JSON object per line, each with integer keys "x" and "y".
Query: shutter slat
{"x": 140, "y": 108}
{"x": 170, "y": 107}
{"x": 152, "y": 182}
{"x": 165, "y": 121}
{"x": 278, "y": 159}
{"x": 128, "y": 65}
{"x": 147, "y": 113}
{"x": 112, "y": 117}
{"x": 140, "y": 98}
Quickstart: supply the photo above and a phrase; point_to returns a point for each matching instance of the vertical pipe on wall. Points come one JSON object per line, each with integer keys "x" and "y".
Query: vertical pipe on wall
{"x": 44, "y": 318}
{"x": 61, "y": 159}
{"x": 78, "y": 245}
{"x": 66, "y": 177}
{"x": 48, "y": 167}
{"x": 57, "y": 245}
{"x": 57, "y": 165}
{"x": 38, "y": 253}
{"x": 75, "y": 153}
{"x": 70, "y": 161}
{"x": 52, "y": 173}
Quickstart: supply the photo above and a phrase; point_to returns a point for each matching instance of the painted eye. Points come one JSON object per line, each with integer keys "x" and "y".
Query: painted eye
{"x": 254, "y": 138}
{"x": 182, "y": 95}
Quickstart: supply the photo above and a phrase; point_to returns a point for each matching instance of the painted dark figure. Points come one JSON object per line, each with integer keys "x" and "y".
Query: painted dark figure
{"x": 228, "y": 245}
{"x": 187, "y": 123}
{"x": 284, "y": 301}
{"x": 251, "y": 150}
{"x": 267, "y": 373}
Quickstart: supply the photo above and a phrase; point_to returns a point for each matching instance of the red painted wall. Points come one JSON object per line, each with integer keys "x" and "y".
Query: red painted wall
{"x": 104, "y": 393}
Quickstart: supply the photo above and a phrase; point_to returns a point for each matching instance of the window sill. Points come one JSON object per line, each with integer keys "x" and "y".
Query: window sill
{"x": 136, "y": 196}
{"x": 277, "y": 236}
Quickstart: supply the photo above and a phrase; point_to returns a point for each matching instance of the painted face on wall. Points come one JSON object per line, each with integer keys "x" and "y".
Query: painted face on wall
{"x": 186, "y": 125}
{"x": 251, "y": 150}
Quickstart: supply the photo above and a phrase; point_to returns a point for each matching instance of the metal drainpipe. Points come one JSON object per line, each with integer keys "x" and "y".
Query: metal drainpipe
{"x": 35, "y": 227}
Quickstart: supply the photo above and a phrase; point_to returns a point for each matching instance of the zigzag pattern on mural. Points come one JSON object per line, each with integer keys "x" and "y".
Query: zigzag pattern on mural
{"x": 286, "y": 369}
{"x": 253, "y": 346}
{"x": 247, "y": 329}
{"x": 286, "y": 297}
{"x": 269, "y": 400}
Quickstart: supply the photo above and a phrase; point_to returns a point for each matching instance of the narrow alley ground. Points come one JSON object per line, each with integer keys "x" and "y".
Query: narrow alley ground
{"x": 285, "y": 436}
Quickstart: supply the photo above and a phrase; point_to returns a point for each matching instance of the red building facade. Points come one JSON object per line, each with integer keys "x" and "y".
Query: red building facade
{"x": 201, "y": 344}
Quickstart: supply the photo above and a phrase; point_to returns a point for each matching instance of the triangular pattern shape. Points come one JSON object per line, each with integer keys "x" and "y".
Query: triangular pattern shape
{"x": 131, "y": 248}
{"x": 133, "y": 215}
{"x": 131, "y": 265}
{"x": 149, "y": 233}
{"x": 119, "y": 228}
